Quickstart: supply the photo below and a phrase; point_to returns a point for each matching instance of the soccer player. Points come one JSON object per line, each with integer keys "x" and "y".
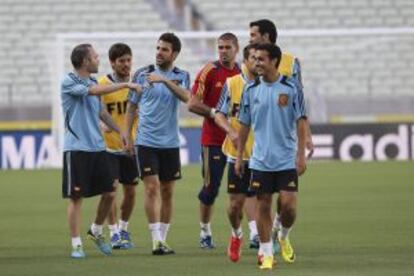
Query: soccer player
{"x": 205, "y": 95}
{"x": 86, "y": 168}
{"x": 226, "y": 117}
{"x": 274, "y": 108}
{"x": 157, "y": 143}
{"x": 124, "y": 165}
{"x": 264, "y": 31}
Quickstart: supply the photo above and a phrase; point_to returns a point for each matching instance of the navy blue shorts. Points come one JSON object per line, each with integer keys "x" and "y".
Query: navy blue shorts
{"x": 213, "y": 165}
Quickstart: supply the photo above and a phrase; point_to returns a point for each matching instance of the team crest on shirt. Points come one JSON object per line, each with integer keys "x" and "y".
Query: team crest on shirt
{"x": 283, "y": 100}
{"x": 219, "y": 84}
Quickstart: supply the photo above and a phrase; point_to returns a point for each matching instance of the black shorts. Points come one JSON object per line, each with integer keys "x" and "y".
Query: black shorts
{"x": 124, "y": 168}
{"x": 86, "y": 174}
{"x": 272, "y": 182}
{"x": 237, "y": 185}
{"x": 165, "y": 163}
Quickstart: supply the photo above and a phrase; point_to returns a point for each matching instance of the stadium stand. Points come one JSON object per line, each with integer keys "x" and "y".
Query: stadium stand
{"x": 369, "y": 68}
{"x": 366, "y": 70}
{"x": 305, "y": 14}
{"x": 28, "y": 29}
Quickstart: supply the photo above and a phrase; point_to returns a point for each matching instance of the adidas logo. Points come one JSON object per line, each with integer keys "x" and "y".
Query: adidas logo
{"x": 292, "y": 184}
{"x": 256, "y": 184}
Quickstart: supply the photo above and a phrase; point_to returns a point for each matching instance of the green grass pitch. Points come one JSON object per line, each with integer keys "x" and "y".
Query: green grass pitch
{"x": 354, "y": 219}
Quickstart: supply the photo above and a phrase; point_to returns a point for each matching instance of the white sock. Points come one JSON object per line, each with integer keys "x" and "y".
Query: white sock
{"x": 113, "y": 229}
{"x": 155, "y": 231}
{"x": 96, "y": 229}
{"x": 123, "y": 225}
{"x": 260, "y": 252}
{"x": 237, "y": 233}
{"x": 277, "y": 224}
{"x": 164, "y": 227}
{"x": 205, "y": 229}
{"x": 284, "y": 233}
{"x": 266, "y": 248}
{"x": 76, "y": 241}
{"x": 253, "y": 229}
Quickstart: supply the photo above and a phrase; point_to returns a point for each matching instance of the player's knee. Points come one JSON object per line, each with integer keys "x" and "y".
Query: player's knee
{"x": 129, "y": 197}
{"x": 151, "y": 192}
{"x": 207, "y": 197}
{"x": 263, "y": 208}
{"x": 166, "y": 193}
{"x": 108, "y": 196}
{"x": 289, "y": 210}
{"x": 235, "y": 207}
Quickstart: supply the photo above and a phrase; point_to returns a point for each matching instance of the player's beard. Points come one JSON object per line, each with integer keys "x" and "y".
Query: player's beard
{"x": 226, "y": 61}
{"x": 164, "y": 64}
{"x": 124, "y": 73}
{"x": 93, "y": 70}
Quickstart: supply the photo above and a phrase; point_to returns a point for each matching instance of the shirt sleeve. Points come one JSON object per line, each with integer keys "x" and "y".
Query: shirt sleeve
{"x": 75, "y": 87}
{"x": 245, "y": 108}
{"x": 186, "y": 81}
{"x": 201, "y": 83}
{"x": 297, "y": 74}
{"x": 223, "y": 103}
{"x": 133, "y": 97}
{"x": 299, "y": 104}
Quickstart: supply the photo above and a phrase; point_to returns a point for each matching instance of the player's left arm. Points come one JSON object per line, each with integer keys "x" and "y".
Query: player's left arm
{"x": 181, "y": 92}
{"x": 106, "y": 118}
{"x": 245, "y": 123}
{"x": 297, "y": 77}
{"x": 302, "y": 126}
{"x": 221, "y": 115}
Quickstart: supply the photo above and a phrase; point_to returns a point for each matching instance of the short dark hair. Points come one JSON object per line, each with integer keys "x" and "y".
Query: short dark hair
{"x": 272, "y": 50}
{"x": 118, "y": 50}
{"x": 79, "y": 53}
{"x": 246, "y": 50}
{"x": 266, "y": 27}
{"x": 173, "y": 40}
{"x": 230, "y": 36}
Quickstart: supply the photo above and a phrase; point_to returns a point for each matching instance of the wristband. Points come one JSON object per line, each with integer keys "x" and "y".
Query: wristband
{"x": 212, "y": 113}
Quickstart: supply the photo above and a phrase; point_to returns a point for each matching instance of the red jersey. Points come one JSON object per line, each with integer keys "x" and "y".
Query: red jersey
{"x": 207, "y": 86}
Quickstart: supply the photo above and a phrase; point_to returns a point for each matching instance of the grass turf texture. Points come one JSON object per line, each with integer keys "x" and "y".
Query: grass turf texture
{"x": 354, "y": 219}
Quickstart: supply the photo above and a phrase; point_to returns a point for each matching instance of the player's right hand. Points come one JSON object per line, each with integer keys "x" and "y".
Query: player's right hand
{"x": 104, "y": 127}
{"x": 310, "y": 147}
{"x": 234, "y": 138}
{"x": 238, "y": 167}
{"x": 129, "y": 146}
{"x": 134, "y": 86}
{"x": 301, "y": 164}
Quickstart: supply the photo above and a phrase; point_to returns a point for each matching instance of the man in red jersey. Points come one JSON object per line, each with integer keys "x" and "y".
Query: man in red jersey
{"x": 206, "y": 92}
